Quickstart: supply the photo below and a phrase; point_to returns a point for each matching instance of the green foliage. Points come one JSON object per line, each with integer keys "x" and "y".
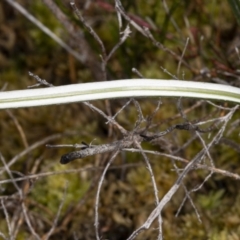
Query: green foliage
{"x": 41, "y": 41}
{"x": 50, "y": 191}
{"x": 211, "y": 200}
{"x": 235, "y": 5}
{"x": 224, "y": 235}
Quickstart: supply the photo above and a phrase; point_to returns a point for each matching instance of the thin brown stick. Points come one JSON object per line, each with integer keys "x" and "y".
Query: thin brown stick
{"x": 29, "y": 149}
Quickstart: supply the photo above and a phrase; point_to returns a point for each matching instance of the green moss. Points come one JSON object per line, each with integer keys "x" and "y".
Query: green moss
{"x": 50, "y": 191}
{"x": 127, "y": 195}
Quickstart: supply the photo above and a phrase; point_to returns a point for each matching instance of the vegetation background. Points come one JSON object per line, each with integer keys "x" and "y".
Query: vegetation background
{"x": 126, "y": 197}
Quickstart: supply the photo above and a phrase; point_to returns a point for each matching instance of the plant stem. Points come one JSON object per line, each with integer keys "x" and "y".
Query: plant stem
{"x": 117, "y": 89}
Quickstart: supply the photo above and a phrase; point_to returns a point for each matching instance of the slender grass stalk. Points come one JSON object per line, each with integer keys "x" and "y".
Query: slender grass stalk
{"x": 235, "y": 5}
{"x": 45, "y": 29}
{"x": 117, "y": 89}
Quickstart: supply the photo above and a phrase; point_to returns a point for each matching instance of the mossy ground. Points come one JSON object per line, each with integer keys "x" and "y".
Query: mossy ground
{"x": 127, "y": 197}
